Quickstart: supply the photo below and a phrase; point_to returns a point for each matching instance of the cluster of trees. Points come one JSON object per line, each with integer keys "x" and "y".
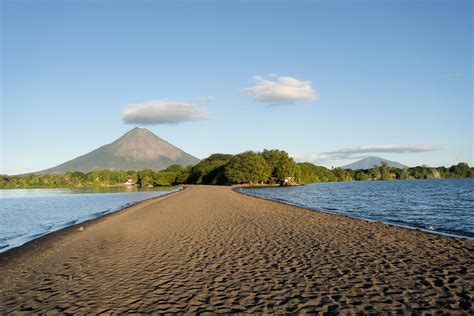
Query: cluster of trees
{"x": 276, "y": 167}
{"x": 385, "y": 172}
{"x": 95, "y": 178}
{"x": 269, "y": 167}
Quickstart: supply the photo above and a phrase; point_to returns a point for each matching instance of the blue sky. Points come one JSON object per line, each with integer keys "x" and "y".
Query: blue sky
{"x": 390, "y": 77}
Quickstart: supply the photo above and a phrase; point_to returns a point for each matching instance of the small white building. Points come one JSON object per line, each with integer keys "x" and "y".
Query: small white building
{"x": 129, "y": 182}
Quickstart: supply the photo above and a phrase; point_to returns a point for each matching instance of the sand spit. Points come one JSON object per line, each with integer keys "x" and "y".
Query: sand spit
{"x": 209, "y": 249}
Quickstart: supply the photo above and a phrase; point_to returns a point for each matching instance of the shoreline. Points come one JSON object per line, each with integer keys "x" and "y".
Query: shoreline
{"x": 47, "y": 238}
{"x": 86, "y": 187}
{"x": 424, "y": 230}
{"x": 44, "y": 241}
{"x": 210, "y": 249}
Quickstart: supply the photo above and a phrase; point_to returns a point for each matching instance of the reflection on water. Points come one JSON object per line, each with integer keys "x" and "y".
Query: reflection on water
{"x": 57, "y": 191}
{"x": 29, "y": 213}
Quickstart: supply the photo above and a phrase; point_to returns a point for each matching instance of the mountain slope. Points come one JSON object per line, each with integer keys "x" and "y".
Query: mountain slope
{"x": 369, "y": 162}
{"x": 136, "y": 150}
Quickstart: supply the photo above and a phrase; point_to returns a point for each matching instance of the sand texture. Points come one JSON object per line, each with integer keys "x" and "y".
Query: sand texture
{"x": 209, "y": 249}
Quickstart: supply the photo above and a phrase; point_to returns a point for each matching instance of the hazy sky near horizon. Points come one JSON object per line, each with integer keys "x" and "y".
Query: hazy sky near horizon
{"x": 327, "y": 81}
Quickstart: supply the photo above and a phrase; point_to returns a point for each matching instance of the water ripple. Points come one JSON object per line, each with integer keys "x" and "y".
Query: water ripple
{"x": 442, "y": 206}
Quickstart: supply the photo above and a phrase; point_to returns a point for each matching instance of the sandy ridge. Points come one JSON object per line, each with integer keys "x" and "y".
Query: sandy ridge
{"x": 209, "y": 249}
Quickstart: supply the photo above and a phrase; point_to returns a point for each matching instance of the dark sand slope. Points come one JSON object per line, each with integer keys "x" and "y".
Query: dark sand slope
{"x": 211, "y": 249}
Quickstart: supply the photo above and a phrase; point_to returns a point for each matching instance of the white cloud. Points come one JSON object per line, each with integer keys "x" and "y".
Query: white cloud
{"x": 282, "y": 90}
{"x": 389, "y": 148}
{"x": 360, "y": 152}
{"x": 162, "y": 112}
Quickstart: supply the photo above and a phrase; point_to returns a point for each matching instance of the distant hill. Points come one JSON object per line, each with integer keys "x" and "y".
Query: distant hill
{"x": 369, "y": 162}
{"x": 136, "y": 150}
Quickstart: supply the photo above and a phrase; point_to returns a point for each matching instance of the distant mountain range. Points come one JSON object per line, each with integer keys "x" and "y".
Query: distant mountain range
{"x": 369, "y": 162}
{"x": 136, "y": 150}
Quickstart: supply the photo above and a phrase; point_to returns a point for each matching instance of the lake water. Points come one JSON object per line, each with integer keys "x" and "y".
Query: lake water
{"x": 31, "y": 213}
{"x": 441, "y": 206}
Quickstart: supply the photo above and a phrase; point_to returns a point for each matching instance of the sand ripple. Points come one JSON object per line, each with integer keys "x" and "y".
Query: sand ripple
{"x": 208, "y": 249}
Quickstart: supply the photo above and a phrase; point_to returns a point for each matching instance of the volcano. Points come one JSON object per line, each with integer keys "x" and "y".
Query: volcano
{"x": 136, "y": 150}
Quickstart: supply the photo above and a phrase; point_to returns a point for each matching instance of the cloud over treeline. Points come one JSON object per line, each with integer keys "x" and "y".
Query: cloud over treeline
{"x": 362, "y": 151}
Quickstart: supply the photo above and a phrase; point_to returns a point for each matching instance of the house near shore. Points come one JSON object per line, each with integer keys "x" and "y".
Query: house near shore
{"x": 284, "y": 181}
{"x": 129, "y": 182}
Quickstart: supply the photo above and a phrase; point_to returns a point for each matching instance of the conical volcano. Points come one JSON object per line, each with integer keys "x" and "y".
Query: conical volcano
{"x": 136, "y": 150}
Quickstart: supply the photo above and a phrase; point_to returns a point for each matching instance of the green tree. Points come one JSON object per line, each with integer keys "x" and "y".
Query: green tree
{"x": 210, "y": 170}
{"x": 281, "y": 164}
{"x": 247, "y": 167}
{"x": 404, "y": 174}
{"x": 310, "y": 173}
{"x": 384, "y": 171}
{"x": 461, "y": 169}
{"x": 174, "y": 168}
{"x": 342, "y": 174}
{"x": 122, "y": 176}
{"x": 164, "y": 178}
{"x": 145, "y": 177}
{"x": 361, "y": 175}
{"x": 374, "y": 173}
{"x": 184, "y": 175}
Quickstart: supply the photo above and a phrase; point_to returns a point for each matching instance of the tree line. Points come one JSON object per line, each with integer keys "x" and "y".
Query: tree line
{"x": 267, "y": 167}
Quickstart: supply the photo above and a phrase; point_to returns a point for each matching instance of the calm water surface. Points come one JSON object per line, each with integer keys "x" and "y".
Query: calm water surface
{"x": 442, "y": 206}
{"x": 31, "y": 213}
